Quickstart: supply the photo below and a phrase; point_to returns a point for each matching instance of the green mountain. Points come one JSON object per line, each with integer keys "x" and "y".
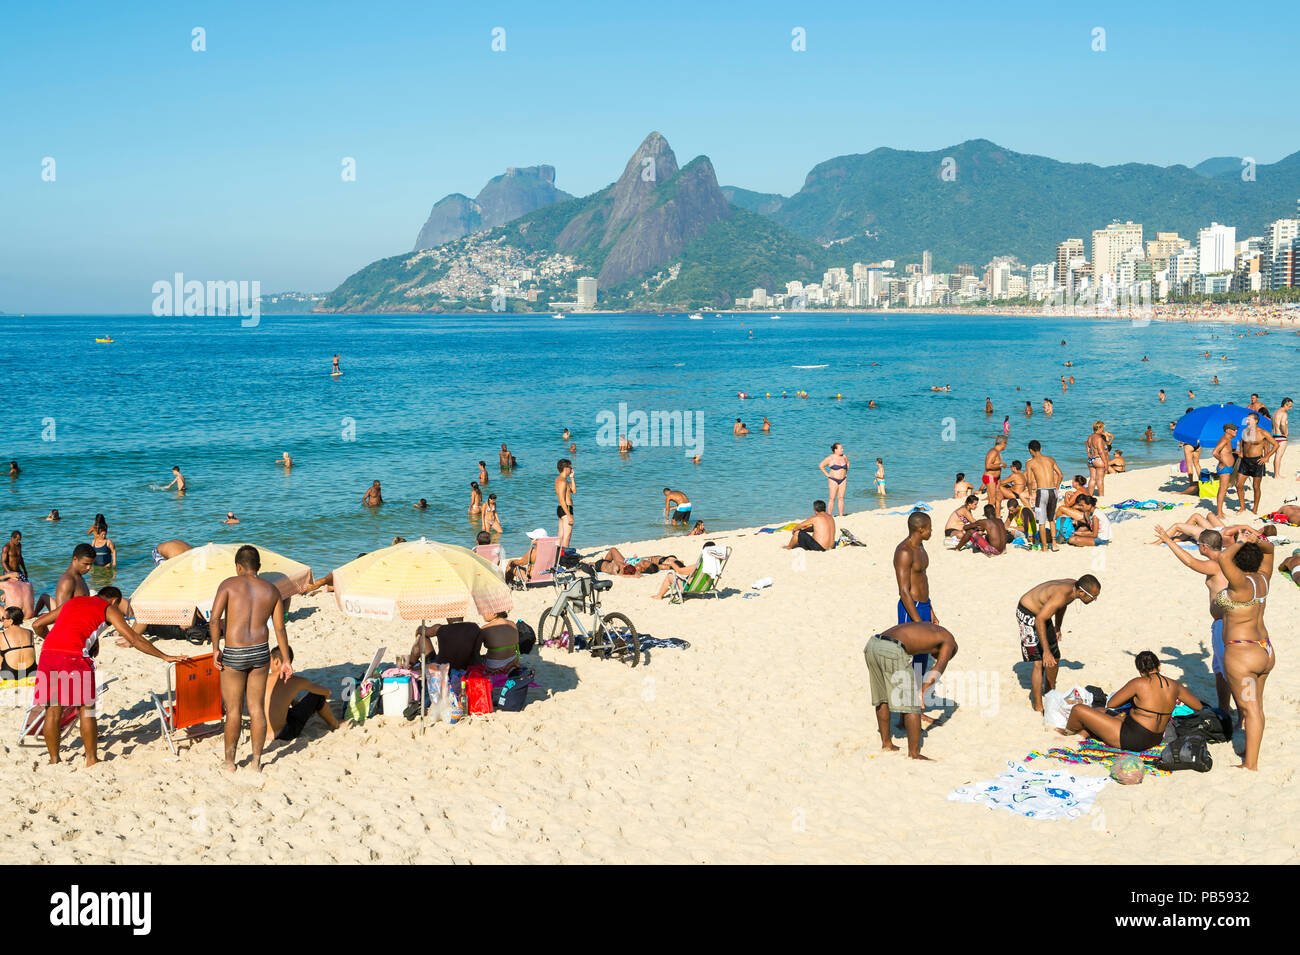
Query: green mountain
{"x": 659, "y": 235}
{"x": 892, "y": 203}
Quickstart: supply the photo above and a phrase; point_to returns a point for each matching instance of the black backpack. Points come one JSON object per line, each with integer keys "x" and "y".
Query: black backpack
{"x": 527, "y": 637}
{"x": 1212, "y": 723}
{"x": 1186, "y": 752}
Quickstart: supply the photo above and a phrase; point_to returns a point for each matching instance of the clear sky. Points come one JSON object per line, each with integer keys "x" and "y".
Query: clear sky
{"x": 225, "y": 164}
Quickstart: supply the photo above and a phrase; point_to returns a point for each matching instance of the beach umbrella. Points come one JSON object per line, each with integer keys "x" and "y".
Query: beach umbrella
{"x": 185, "y": 584}
{"x": 1204, "y": 426}
{"x": 420, "y": 580}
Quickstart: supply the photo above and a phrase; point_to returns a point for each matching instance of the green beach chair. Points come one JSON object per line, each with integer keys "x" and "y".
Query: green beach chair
{"x": 706, "y": 579}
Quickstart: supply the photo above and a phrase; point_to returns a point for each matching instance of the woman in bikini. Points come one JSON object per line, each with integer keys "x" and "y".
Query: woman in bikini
{"x": 1152, "y": 698}
{"x": 500, "y": 643}
{"x": 475, "y": 499}
{"x": 836, "y": 468}
{"x": 880, "y": 476}
{"x": 1096, "y": 448}
{"x": 1248, "y": 655}
{"x": 482, "y": 472}
{"x": 490, "y": 520}
{"x": 17, "y": 646}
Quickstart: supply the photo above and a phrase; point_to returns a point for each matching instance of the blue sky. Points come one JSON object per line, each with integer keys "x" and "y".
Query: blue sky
{"x": 225, "y": 164}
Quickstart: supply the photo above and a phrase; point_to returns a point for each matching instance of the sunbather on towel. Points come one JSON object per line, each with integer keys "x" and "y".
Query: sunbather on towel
{"x": 285, "y": 716}
{"x": 616, "y": 564}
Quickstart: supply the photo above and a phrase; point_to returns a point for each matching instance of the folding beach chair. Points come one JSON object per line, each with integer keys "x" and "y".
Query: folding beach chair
{"x": 706, "y": 579}
{"x": 31, "y": 728}
{"x": 489, "y": 552}
{"x": 543, "y": 569}
{"x": 193, "y": 701}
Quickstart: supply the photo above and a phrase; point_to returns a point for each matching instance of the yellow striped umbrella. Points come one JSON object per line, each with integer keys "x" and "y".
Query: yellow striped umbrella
{"x": 420, "y": 580}
{"x": 186, "y": 583}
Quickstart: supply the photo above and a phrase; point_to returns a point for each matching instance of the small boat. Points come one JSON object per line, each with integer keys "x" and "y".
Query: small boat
{"x": 558, "y": 315}
{"x": 696, "y": 317}
{"x": 105, "y": 341}
{"x": 776, "y": 318}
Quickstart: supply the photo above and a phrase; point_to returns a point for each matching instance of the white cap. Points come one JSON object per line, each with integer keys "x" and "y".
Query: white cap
{"x": 537, "y": 533}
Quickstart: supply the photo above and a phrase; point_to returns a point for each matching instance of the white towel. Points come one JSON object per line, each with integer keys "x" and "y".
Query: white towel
{"x": 1035, "y": 793}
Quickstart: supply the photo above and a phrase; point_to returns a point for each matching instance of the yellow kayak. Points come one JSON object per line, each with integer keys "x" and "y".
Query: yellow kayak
{"x": 104, "y": 340}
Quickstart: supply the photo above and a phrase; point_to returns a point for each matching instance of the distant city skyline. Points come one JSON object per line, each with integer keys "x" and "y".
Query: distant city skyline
{"x": 227, "y": 163}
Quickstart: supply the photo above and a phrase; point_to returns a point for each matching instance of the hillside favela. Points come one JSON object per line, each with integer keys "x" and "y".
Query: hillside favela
{"x": 571, "y": 434}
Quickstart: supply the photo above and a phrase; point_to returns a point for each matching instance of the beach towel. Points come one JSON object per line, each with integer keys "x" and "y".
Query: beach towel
{"x": 1151, "y": 504}
{"x": 784, "y": 527}
{"x": 1035, "y": 793}
{"x": 918, "y": 506}
{"x": 1277, "y": 517}
{"x": 1094, "y": 752}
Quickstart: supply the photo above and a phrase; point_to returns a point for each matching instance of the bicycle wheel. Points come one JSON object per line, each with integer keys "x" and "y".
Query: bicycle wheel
{"x": 621, "y": 638}
{"x": 555, "y": 627}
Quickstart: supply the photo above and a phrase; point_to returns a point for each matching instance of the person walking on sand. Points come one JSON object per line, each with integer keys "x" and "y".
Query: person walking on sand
{"x": 895, "y": 681}
{"x": 1043, "y": 475}
{"x": 835, "y": 466}
{"x": 1039, "y": 616}
{"x": 564, "y": 488}
{"x": 1281, "y": 426}
{"x": 373, "y": 496}
{"x": 65, "y": 674}
{"x": 244, "y": 606}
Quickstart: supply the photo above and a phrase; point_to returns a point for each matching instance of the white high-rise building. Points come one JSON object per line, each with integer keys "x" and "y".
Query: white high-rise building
{"x": 1110, "y": 244}
{"x": 1216, "y": 246}
{"x": 1182, "y": 267}
{"x": 586, "y": 292}
{"x": 1277, "y": 239}
{"x": 1042, "y": 279}
{"x": 759, "y": 298}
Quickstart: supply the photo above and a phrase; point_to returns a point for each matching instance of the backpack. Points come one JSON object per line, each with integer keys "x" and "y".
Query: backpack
{"x": 527, "y": 637}
{"x": 511, "y": 694}
{"x": 1213, "y": 724}
{"x": 568, "y": 558}
{"x": 1186, "y": 752}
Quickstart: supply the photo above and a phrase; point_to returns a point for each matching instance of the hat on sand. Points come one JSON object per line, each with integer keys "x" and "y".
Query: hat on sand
{"x": 536, "y": 534}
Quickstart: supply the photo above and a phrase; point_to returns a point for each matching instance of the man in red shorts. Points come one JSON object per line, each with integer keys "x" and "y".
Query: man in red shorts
{"x": 65, "y": 672}
{"x": 992, "y": 479}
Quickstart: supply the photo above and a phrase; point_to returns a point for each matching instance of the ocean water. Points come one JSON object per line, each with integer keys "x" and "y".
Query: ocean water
{"x": 96, "y": 427}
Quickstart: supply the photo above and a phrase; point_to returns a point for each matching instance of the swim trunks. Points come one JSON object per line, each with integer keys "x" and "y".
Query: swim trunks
{"x": 246, "y": 659}
{"x": 299, "y": 713}
{"x": 805, "y": 541}
{"x": 157, "y": 557}
{"x": 1252, "y": 467}
{"x": 926, "y": 613}
{"x": 1216, "y": 644}
{"x": 561, "y": 512}
{"x": 893, "y": 677}
{"x": 64, "y": 679}
{"x": 1031, "y": 649}
{"x": 1045, "y": 505}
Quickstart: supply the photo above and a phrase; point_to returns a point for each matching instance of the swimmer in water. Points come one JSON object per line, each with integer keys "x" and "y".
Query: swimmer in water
{"x": 373, "y": 497}
{"x": 230, "y": 518}
{"x": 767, "y": 426}
{"x": 475, "y": 499}
{"x": 482, "y": 472}
{"x": 880, "y": 476}
{"x": 178, "y": 481}
{"x": 872, "y": 403}
{"x": 285, "y": 461}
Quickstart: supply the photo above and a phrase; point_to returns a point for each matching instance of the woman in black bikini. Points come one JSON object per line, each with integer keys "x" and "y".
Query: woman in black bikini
{"x": 17, "y": 646}
{"x": 836, "y": 462}
{"x": 1152, "y": 699}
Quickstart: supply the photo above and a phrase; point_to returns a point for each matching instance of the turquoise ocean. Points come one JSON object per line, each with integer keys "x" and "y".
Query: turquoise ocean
{"x": 97, "y": 427}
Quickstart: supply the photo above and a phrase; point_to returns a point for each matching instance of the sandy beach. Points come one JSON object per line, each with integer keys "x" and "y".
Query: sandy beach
{"x": 757, "y": 744}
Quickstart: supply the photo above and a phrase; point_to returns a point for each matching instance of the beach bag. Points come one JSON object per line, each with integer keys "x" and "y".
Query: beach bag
{"x": 527, "y": 637}
{"x": 1057, "y": 705}
{"x": 1186, "y": 752}
{"x": 568, "y": 558}
{"x": 364, "y": 701}
{"x": 1208, "y": 487}
{"x": 510, "y": 693}
{"x": 1099, "y": 696}
{"x": 1064, "y": 529}
{"x": 1213, "y": 724}
{"x": 477, "y": 690}
{"x": 1128, "y": 770}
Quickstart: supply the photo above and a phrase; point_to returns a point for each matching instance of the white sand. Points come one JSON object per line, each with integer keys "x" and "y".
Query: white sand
{"x": 758, "y": 744}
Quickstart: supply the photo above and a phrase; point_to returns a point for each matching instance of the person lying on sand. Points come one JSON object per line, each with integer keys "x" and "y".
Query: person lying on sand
{"x": 894, "y": 678}
{"x": 616, "y": 564}
{"x": 285, "y": 716}
{"x": 684, "y": 573}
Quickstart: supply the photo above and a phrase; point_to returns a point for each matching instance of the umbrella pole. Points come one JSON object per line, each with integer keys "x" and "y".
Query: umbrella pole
{"x": 424, "y": 677}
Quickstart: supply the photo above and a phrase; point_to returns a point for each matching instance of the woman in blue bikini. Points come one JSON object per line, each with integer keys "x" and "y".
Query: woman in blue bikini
{"x": 836, "y": 468}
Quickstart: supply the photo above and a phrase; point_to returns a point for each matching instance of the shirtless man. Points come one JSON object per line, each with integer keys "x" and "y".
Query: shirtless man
{"x": 285, "y": 461}
{"x": 993, "y": 466}
{"x": 988, "y": 406}
{"x": 1281, "y": 425}
{"x": 893, "y": 677}
{"x": 1256, "y": 447}
{"x": 677, "y": 507}
{"x": 1254, "y": 404}
{"x": 1226, "y": 459}
{"x": 373, "y": 496}
{"x": 1039, "y": 616}
{"x": 911, "y": 566}
{"x": 739, "y": 428}
{"x": 1016, "y": 486}
{"x": 990, "y": 528}
{"x": 504, "y": 458}
{"x": 72, "y": 583}
{"x": 248, "y": 604}
{"x": 11, "y": 556}
{"x": 334, "y": 368}
{"x": 1209, "y": 545}
{"x": 564, "y": 488}
{"x": 230, "y": 518}
{"x": 169, "y": 549}
{"x": 959, "y": 520}
{"x": 286, "y": 718}
{"x": 815, "y": 534}
{"x": 1043, "y": 475}
{"x": 177, "y": 482}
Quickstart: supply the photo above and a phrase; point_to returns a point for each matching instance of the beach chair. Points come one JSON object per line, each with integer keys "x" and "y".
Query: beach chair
{"x": 33, "y": 722}
{"x": 489, "y": 552}
{"x": 543, "y": 568}
{"x": 193, "y": 701}
{"x": 705, "y": 580}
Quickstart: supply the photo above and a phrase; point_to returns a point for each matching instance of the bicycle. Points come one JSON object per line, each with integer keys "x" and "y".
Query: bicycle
{"x": 611, "y": 635}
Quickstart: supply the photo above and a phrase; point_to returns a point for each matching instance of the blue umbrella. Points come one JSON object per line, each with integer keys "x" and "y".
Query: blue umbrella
{"x": 1204, "y": 426}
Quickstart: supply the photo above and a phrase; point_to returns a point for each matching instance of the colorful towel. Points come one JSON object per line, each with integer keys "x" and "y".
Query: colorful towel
{"x": 1094, "y": 752}
{"x": 1035, "y": 793}
{"x": 1150, "y": 504}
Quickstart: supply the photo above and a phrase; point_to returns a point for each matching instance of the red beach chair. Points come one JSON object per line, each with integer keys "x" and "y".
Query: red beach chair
{"x": 193, "y": 701}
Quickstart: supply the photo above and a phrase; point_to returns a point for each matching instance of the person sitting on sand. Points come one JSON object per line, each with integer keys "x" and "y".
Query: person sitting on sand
{"x": 1078, "y": 486}
{"x": 893, "y": 677}
{"x": 17, "y": 646}
{"x": 958, "y": 520}
{"x": 681, "y": 573}
{"x": 817, "y": 533}
{"x": 1016, "y": 485}
{"x": 989, "y": 529}
{"x": 1151, "y": 698}
{"x": 1039, "y": 616}
{"x": 500, "y": 638}
{"x": 285, "y": 716}
{"x": 1091, "y": 526}
{"x": 961, "y": 488}
{"x": 459, "y": 643}
{"x": 1117, "y": 463}
{"x": 697, "y": 530}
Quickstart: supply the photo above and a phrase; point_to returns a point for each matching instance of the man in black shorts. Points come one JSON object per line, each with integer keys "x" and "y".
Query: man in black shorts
{"x": 285, "y": 717}
{"x": 1039, "y": 616}
{"x": 564, "y": 488}
{"x": 817, "y": 533}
